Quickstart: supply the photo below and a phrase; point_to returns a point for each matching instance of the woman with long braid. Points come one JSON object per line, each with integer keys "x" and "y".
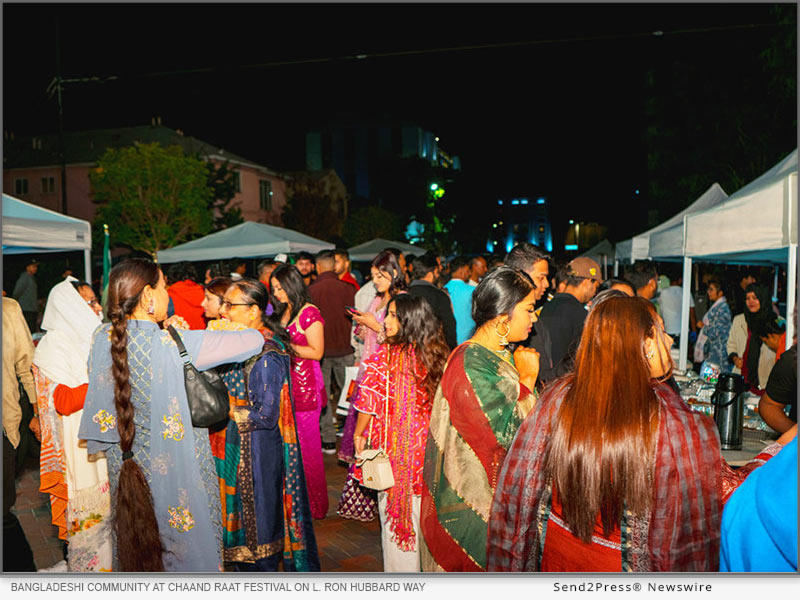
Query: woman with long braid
{"x": 164, "y": 494}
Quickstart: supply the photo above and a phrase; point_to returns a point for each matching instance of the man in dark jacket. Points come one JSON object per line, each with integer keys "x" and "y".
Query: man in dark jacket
{"x": 331, "y": 295}
{"x": 426, "y": 270}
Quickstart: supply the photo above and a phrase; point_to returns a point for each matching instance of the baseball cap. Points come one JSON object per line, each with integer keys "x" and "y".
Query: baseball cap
{"x": 584, "y": 266}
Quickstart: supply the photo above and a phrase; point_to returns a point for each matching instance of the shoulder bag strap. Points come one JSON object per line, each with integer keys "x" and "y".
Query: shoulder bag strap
{"x": 181, "y": 348}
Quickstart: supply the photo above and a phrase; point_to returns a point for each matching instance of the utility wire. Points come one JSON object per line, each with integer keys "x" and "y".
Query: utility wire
{"x": 442, "y": 50}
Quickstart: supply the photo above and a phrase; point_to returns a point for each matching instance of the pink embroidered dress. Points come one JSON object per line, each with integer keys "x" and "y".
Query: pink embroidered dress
{"x": 308, "y": 391}
{"x": 401, "y": 415}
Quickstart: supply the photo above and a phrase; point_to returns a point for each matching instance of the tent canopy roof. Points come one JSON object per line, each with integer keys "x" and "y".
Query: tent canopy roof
{"x": 28, "y": 228}
{"x": 638, "y": 247}
{"x": 755, "y": 225}
{"x": 246, "y": 240}
{"x": 598, "y": 250}
{"x": 369, "y": 250}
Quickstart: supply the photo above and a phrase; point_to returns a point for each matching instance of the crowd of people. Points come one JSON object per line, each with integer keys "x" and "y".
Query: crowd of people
{"x": 528, "y": 412}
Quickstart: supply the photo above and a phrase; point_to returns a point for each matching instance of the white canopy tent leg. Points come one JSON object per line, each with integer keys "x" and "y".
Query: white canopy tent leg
{"x": 775, "y": 284}
{"x": 616, "y": 267}
{"x": 791, "y": 293}
{"x": 87, "y": 265}
{"x": 683, "y": 346}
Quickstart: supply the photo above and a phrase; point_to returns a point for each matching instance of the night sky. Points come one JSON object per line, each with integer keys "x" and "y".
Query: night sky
{"x": 561, "y": 117}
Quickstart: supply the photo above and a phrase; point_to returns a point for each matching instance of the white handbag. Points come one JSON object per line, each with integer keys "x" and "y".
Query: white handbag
{"x": 376, "y": 468}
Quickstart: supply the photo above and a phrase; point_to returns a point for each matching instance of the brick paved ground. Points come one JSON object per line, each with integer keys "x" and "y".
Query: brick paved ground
{"x": 344, "y": 545}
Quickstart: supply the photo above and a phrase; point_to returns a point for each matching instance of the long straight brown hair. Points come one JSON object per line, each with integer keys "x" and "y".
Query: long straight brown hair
{"x": 602, "y": 444}
{"x": 139, "y": 546}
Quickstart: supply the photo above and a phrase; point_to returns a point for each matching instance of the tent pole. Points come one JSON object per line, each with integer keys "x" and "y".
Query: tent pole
{"x": 791, "y": 294}
{"x": 775, "y": 284}
{"x": 683, "y": 346}
{"x": 87, "y": 264}
{"x": 616, "y": 267}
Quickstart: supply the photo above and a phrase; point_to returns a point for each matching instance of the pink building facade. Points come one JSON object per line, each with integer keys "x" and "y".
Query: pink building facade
{"x": 261, "y": 192}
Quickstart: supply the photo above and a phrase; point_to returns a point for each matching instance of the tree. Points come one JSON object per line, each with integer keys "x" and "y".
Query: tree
{"x": 152, "y": 197}
{"x": 316, "y": 204}
{"x": 372, "y": 222}
{"x": 222, "y": 181}
{"x": 310, "y": 214}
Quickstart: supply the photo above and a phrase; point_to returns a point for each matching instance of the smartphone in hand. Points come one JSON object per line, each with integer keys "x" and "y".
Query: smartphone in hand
{"x": 352, "y": 310}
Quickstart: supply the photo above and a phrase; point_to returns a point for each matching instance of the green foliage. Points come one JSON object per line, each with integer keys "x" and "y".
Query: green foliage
{"x": 372, "y": 222}
{"x": 222, "y": 181}
{"x": 403, "y": 186}
{"x": 152, "y": 197}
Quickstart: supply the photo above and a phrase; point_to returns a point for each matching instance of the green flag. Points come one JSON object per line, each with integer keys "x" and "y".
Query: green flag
{"x": 106, "y": 268}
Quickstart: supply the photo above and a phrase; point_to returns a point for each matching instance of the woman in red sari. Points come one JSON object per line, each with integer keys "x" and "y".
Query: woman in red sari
{"x": 612, "y": 471}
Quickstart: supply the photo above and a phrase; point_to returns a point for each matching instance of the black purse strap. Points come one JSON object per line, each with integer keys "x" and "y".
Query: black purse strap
{"x": 181, "y": 348}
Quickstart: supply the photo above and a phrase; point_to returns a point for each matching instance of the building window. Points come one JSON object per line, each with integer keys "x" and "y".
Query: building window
{"x": 238, "y": 182}
{"x": 21, "y": 186}
{"x": 265, "y": 194}
{"x": 48, "y": 185}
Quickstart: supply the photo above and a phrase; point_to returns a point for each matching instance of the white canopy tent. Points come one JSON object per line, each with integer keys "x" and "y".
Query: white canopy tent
{"x": 246, "y": 240}
{"x": 369, "y": 250}
{"x": 756, "y": 225}
{"x": 638, "y": 247}
{"x": 29, "y": 229}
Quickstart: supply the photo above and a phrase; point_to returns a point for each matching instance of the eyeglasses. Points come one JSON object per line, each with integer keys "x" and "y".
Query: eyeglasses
{"x": 227, "y": 305}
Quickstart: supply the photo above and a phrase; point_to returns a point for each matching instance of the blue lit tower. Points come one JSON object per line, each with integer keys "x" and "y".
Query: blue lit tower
{"x": 520, "y": 220}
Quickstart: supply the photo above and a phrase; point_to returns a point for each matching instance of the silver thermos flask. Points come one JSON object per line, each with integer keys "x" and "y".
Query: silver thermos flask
{"x": 728, "y": 401}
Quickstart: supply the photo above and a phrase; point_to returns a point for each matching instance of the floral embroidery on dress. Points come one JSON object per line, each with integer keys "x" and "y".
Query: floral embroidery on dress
{"x": 173, "y": 427}
{"x": 84, "y": 559}
{"x": 161, "y": 463}
{"x": 105, "y": 419}
{"x": 180, "y": 518}
{"x": 84, "y": 524}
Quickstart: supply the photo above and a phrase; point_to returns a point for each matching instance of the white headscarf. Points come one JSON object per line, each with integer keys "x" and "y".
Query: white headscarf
{"x": 63, "y": 353}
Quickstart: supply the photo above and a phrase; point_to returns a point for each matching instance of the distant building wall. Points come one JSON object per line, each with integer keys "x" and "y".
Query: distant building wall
{"x": 47, "y": 194}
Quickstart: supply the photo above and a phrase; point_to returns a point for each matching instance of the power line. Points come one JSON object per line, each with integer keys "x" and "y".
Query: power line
{"x": 441, "y": 50}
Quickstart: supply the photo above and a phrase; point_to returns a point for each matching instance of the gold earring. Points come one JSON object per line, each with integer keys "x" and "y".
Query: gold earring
{"x": 650, "y": 354}
{"x": 503, "y": 336}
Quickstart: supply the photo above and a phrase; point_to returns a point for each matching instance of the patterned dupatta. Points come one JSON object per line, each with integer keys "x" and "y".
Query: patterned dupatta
{"x": 226, "y": 450}
{"x": 390, "y": 388}
{"x": 686, "y": 511}
{"x": 78, "y": 488}
{"x": 477, "y": 410}
{"x": 299, "y": 542}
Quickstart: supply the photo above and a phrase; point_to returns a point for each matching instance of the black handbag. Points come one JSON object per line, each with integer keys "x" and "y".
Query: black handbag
{"x": 206, "y": 392}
